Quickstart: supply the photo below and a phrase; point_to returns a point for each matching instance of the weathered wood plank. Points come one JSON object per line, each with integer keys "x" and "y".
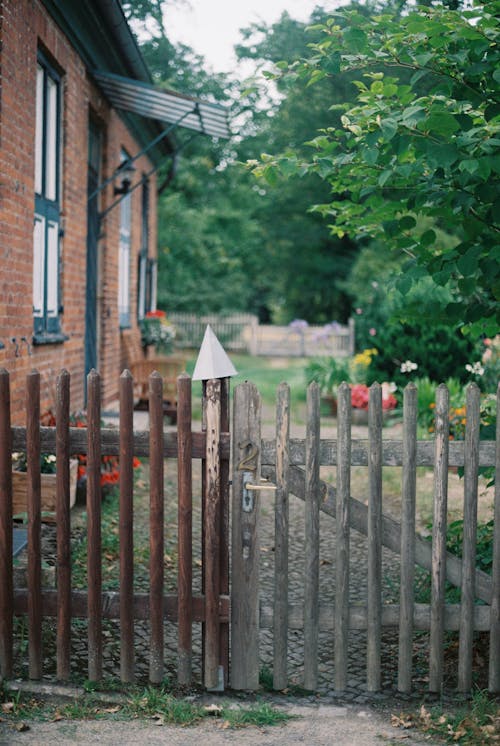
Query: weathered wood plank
{"x": 109, "y": 442}
{"x": 281, "y": 529}
{"x": 439, "y": 528}
{"x": 343, "y": 521}
{"x": 391, "y": 531}
{"x": 224, "y": 539}
{"x": 34, "y": 524}
{"x": 211, "y": 558}
{"x": 94, "y": 500}
{"x": 311, "y": 544}
{"x": 469, "y": 538}
{"x": 390, "y": 617}
{"x": 156, "y": 520}
{"x": 6, "y": 563}
{"x": 63, "y": 523}
{"x": 392, "y": 453}
{"x": 407, "y": 565}
{"x": 374, "y": 574}
{"x": 245, "y": 539}
{"x": 110, "y": 601}
{"x": 185, "y": 529}
{"x": 494, "y": 669}
{"x": 126, "y": 527}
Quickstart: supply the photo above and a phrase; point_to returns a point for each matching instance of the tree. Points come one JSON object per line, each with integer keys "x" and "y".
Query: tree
{"x": 421, "y": 141}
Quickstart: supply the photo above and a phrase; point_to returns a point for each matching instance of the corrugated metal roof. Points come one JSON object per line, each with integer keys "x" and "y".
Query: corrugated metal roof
{"x": 153, "y": 102}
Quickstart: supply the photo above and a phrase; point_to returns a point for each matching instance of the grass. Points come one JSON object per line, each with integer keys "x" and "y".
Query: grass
{"x": 266, "y": 373}
{"x": 473, "y": 723}
{"x": 157, "y": 703}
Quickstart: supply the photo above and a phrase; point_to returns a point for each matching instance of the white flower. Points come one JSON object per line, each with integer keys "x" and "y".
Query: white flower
{"x": 476, "y": 368}
{"x": 408, "y": 366}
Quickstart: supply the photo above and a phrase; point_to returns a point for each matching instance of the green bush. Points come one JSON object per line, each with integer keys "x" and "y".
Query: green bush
{"x": 438, "y": 352}
{"x": 328, "y": 372}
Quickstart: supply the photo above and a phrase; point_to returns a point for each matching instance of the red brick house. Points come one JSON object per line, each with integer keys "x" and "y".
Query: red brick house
{"x": 82, "y": 132}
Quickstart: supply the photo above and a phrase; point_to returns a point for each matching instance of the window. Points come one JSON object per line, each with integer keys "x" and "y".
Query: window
{"x": 124, "y": 258}
{"x": 46, "y": 232}
{"x": 142, "y": 274}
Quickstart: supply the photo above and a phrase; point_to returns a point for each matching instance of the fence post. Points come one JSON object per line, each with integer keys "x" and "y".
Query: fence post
{"x": 63, "y": 527}
{"x": 94, "y": 500}
{"x": 126, "y": 526}
{"x": 156, "y": 518}
{"x": 374, "y": 590}
{"x": 6, "y": 564}
{"x": 245, "y": 539}
{"x": 185, "y": 523}
{"x": 494, "y": 671}
{"x": 34, "y": 524}
{"x": 407, "y": 572}
{"x": 311, "y": 546}
{"x": 467, "y": 598}
{"x": 342, "y": 517}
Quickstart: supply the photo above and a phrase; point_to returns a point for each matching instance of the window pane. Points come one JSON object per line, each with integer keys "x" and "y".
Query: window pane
{"x": 39, "y": 130}
{"x": 38, "y": 265}
{"x": 52, "y": 269}
{"x": 124, "y": 263}
{"x": 51, "y": 140}
{"x": 141, "y": 294}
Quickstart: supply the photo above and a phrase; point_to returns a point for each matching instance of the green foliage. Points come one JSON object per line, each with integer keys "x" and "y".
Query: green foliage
{"x": 422, "y": 140}
{"x": 328, "y": 372}
{"x": 439, "y": 351}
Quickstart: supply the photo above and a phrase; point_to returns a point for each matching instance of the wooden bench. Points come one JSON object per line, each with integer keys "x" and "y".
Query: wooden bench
{"x": 141, "y": 367}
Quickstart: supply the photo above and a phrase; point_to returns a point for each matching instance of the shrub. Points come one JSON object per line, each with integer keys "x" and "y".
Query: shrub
{"x": 329, "y": 373}
{"x": 438, "y": 352}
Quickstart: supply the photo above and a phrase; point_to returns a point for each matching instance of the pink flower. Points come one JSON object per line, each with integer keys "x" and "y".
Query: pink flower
{"x": 372, "y": 332}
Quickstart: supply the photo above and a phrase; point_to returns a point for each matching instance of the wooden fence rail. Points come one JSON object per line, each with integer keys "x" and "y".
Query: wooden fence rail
{"x": 293, "y": 464}
{"x": 96, "y": 604}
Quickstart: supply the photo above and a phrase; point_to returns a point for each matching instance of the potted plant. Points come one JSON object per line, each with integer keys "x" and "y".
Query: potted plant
{"x": 329, "y": 373}
{"x": 47, "y": 479}
{"x": 158, "y": 332}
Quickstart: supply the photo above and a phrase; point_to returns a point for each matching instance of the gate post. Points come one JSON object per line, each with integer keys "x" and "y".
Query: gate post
{"x": 245, "y": 539}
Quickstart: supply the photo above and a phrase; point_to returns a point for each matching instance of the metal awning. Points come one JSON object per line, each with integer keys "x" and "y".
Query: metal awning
{"x": 164, "y": 105}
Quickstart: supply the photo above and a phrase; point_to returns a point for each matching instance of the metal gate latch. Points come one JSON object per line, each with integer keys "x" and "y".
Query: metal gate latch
{"x": 249, "y": 488}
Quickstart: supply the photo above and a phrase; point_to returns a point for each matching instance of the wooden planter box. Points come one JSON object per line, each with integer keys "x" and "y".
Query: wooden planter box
{"x": 48, "y": 483}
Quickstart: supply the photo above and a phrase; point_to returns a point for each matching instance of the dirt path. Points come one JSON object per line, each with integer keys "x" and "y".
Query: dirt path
{"x": 315, "y": 726}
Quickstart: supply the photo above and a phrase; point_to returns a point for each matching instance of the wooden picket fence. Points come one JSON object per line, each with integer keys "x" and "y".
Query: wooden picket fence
{"x": 294, "y": 467}
{"x": 233, "y": 611}
{"x": 211, "y": 445}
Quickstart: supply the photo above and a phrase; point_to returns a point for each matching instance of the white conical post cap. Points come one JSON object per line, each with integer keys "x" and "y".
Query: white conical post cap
{"x": 212, "y": 361}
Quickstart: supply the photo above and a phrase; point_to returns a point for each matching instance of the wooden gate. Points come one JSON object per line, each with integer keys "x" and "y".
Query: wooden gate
{"x": 65, "y": 604}
{"x": 293, "y": 466}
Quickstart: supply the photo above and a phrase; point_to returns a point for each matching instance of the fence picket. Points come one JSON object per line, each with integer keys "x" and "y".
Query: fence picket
{"x": 438, "y": 570}
{"x": 407, "y": 567}
{"x": 280, "y": 623}
{"x": 494, "y": 670}
{"x": 63, "y": 526}
{"x": 469, "y": 538}
{"x": 6, "y": 563}
{"x": 211, "y": 557}
{"x": 34, "y": 524}
{"x": 311, "y": 545}
{"x": 94, "y": 499}
{"x": 224, "y": 486}
{"x": 245, "y": 539}
{"x": 156, "y": 517}
{"x": 185, "y": 523}
{"x": 374, "y": 575}
{"x": 342, "y": 511}
{"x": 126, "y": 527}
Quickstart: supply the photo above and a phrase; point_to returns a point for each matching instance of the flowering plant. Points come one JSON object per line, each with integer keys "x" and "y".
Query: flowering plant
{"x": 360, "y": 364}
{"x": 47, "y": 462}
{"x": 157, "y": 330}
{"x": 360, "y": 394}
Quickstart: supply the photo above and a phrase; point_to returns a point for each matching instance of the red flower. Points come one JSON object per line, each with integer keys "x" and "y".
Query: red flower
{"x": 156, "y": 314}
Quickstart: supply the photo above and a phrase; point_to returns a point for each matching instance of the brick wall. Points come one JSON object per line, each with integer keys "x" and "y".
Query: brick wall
{"x": 24, "y": 26}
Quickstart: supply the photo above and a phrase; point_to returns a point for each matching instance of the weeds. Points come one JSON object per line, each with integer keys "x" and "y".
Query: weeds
{"x": 475, "y": 723}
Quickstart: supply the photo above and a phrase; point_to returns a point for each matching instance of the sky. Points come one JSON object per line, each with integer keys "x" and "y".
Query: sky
{"x": 211, "y": 27}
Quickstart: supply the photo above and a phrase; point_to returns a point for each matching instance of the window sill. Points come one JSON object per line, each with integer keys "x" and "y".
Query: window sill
{"x": 49, "y": 339}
